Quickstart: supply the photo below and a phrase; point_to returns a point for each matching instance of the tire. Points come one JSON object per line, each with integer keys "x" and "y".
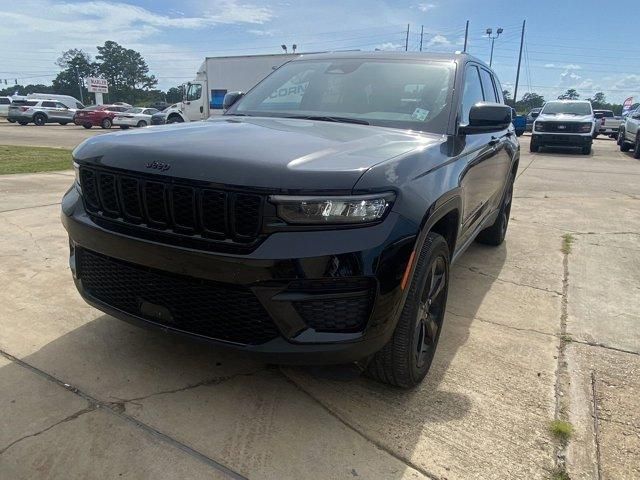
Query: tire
{"x": 586, "y": 150}
{"x": 106, "y": 123}
{"x": 175, "y": 119}
{"x": 11, "y": 120}
{"x": 124, "y": 127}
{"x": 406, "y": 358}
{"x": 595, "y": 135}
{"x": 624, "y": 145}
{"x": 636, "y": 147}
{"x": 494, "y": 235}
{"x": 533, "y": 147}
{"x": 23, "y": 123}
{"x": 63, "y": 123}
{"x": 141, "y": 124}
{"x": 620, "y": 137}
{"x": 39, "y": 119}
{"x": 87, "y": 125}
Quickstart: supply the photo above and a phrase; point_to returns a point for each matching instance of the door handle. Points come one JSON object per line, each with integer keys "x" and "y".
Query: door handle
{"x": 493, "y": 142}
{"x": 201, "y": 108}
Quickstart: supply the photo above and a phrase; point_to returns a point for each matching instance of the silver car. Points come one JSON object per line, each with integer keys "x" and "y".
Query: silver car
{"x": 40, "y": 112}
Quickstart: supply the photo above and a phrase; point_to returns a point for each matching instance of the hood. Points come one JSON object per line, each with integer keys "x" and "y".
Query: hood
{"x": 563, "y": 117}
{"x": 272, "y": 153}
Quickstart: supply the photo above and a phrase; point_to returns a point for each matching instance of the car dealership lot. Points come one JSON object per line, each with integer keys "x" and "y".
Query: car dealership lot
{"x": 531, "y": 333}
{"x": 50, "y": 135}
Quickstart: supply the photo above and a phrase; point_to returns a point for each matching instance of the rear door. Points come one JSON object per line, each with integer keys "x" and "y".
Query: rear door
{"x": 49, "y": 109}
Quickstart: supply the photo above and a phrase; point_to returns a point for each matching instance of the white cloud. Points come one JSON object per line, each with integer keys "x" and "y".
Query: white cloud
{"x": 425, "y": 7}
{"x": 389, "y": 46}
{"x": 262, "y": 33}
{"x": 569, "y": 66}
{"x": 438, "y": 40}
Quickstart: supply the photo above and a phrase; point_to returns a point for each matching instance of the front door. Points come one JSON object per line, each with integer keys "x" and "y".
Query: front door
{"x": 193, "y": 104}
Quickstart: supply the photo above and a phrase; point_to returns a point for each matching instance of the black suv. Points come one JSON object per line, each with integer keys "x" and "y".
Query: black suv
{"x": 314, "y": 222}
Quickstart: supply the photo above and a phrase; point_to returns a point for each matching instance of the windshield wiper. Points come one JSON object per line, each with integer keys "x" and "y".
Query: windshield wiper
{"x": 322, "y": 118}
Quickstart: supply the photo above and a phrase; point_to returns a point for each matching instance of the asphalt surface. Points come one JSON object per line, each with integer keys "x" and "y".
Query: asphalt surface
{"x": 50, "y": 135}
{"x": 532, "y": 334}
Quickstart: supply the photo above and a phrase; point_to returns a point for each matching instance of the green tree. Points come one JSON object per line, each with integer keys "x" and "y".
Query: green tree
{"x": 528, "y": 101}
{"x": 570, "y": 94}
{"x": 76, "y": 65}
{"x": 174, "y": 94}
{"x": 126, "y": 71}
{"x": 506, "y": 94}
{"x": 9, "y": 90}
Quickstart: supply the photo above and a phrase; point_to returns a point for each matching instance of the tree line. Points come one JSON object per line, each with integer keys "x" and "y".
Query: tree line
{"x": 532, "y": 100}
{"x": 125, "y": 69}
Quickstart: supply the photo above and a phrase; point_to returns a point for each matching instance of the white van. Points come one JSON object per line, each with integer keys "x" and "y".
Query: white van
{"x": 67, "y": 100}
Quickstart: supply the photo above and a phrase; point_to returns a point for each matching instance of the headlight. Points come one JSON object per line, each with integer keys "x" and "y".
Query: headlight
{"x": 539, "y": 127}
{"x": 76, "y": 169}
{"x": 585, "y": 127}
{"x": 355, "y": 209}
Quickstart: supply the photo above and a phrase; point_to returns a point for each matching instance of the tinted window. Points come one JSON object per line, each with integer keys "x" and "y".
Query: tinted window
{"x": 195, "y": 90}
{"x": 472, "y": 92}
{"x": 400, "y": 94}
{"x": 79, "y": 105}
{"x": 488, "y": 86}
{"x": 60, "y": 105}
{"x": 32, "y": 103}
{"x": 4, "y": 101}
{"x": 49, "y": 104}
{"x": 570, "y": 108}
{"x": 134, "y": 110}
{"x": 150, "y": 111}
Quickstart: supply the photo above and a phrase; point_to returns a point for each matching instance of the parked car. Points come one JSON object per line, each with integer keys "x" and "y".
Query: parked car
{"x": 123, "y": 104}
{"x": 40, "y": 112}
{"x": 69, "y": 101}
{"x": 134, "y": 117}
{"x": 98, "y": 116}
{"x": 629, "y": 134}
{"x": 4, "y": 106}
{"x": 160, "y": 118}
{"x": 318, "y": 228}
{"x": 531, "y": 117}
{"x": 159, "y": 105}
{"x": 519, "y": 122}
{"x": 564, "y": 123}
{"x": 607, "y": 123}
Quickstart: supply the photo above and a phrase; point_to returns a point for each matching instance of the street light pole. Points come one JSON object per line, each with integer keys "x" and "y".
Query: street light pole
{"x": 79, "y": 84}
{"x": 489, "y": 32}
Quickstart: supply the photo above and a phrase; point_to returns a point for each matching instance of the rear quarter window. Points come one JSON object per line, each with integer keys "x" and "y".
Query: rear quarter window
{"x": 49, "y": 104}
{"x": 4, "y": 101}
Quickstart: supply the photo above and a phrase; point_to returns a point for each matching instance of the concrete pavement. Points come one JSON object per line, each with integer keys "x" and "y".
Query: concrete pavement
{"x": 531, "y": 334}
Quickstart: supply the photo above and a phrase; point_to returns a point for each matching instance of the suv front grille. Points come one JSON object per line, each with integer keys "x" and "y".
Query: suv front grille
{"x": 220, "y": 311}
{"x": 562, "y": 127}
{"x": 172, "y": 207}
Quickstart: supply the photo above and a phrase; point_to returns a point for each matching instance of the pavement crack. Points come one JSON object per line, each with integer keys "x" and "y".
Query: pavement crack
{"x": 27, "y": 208}
{"x": 406, "y": 461}
{"x": 511, "y": 282}
{"x": 30, "y": 234}
{"x": 70, "y": 418}
{"x": 596, "y": 423}
{"x": 562, "y": 374}
{"x": 511, "y": 327}
{"x": 607, "y": 347}
{"x": 117, "y": 410}
{"x": 203, "y": 383}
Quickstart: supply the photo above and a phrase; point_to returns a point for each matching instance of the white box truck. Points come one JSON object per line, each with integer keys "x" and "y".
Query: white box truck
{"x": 217, "y": 76}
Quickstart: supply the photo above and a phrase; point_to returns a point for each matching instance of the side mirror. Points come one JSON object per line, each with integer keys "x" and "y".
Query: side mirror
{"x": 487, "y": 117}
{"x": 636, "y": 116}
{"x": 231, "y": 98}
{"x": 535, "y": 114}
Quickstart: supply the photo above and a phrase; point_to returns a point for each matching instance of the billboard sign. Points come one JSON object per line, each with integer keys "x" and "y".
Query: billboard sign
{"x": 96, "y": 85}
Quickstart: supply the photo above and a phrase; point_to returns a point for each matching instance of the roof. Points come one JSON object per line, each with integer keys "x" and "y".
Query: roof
{"x": 387, "y": 55}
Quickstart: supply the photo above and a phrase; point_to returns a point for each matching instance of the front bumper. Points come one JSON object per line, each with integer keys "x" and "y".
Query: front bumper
{"x": 279, "y": 276}
{"x": 562, "y": 139}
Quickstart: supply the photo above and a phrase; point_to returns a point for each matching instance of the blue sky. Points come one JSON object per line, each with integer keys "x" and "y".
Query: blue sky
{"x": 569, "y": 44}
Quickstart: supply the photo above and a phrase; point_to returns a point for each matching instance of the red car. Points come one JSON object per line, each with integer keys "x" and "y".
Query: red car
{"x": 98, "y": 115}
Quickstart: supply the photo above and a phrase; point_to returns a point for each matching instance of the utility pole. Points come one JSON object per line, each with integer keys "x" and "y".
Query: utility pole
{"x": 421, "y": 36}
{"x": 493, "y": 39}
{"x": 515, "y": 90}
{"x": 466, "y": 36}
{"x": 406, "y": 42}
{"x": 79, "y": 84}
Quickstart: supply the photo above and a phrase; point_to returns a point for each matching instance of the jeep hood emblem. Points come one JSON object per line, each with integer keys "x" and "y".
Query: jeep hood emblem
{"x": 163, "y": 167}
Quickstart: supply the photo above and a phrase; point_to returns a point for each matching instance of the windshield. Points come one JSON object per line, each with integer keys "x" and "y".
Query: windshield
{"x": 570, "y": 108}
{"x": 400, "y": 94}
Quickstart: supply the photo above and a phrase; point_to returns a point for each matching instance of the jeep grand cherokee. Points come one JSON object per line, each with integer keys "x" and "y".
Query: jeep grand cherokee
{"x": 315, "y": 222}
